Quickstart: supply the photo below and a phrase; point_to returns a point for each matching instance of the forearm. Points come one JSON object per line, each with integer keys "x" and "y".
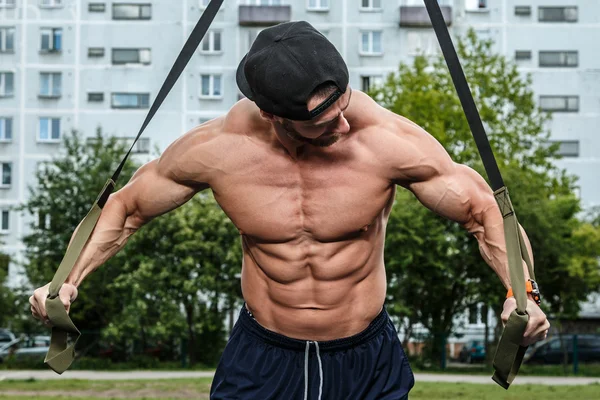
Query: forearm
{"x": 109, "y": 236}
{"x": 492, "y": 245}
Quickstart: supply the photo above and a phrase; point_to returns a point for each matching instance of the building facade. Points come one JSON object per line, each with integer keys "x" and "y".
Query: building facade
{"x": 79, "y": 64}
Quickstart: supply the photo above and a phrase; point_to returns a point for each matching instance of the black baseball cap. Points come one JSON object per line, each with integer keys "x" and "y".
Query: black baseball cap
{"x": 283, "y": 67}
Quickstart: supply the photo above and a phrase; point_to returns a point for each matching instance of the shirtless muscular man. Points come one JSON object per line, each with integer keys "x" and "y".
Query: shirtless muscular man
{"x": 306, "y": 169}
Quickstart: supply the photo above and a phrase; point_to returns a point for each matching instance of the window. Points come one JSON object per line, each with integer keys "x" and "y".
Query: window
{"x": 130, "y": 100}
{"x": 523, "y": 11}
{"x": 95, "y": 97}
{"x": 567, "y": 148}
{"x": 263, "y": 2}
{"x": 211, "y": 42}
{"x": 7, "y": 40}
{"x": 96, "y": 52}
{"x": 473, "y": 314}
{"x": 50, "y": 3}
{"x": 5, "y": 228}
{"x": 49, "y": 130}
{"x": 476, "y": 5}
{"x": 483, "y": 315}
{"x": 557, "y": 14}
{"x": 7, "y": 84}
{"x": 142, "y": 146}
{"x": 369, "y": 82}
{"x": 589, "y": 342}
{"x": 422, "y": 42}
{"x": 370, "y": 43}
{"x": 131, "y": 56}
{"x": 559, "y": 103}
{"x": 318, "y": 5}
{"x": 368, "y": 5}
{"x": 523, "y": 55}
{"x": 6, "y": 174}
{"x": 51, "y": 40}
{"x": 96, "y": 7}
{"x": 7, "y": 3}
{"x": 559, "y": 58}
{"x": 252, "y": 34}
{"x": 50, "y": 84}
{"x": 211, "y": 85}
{"x": 43, "y": 221}
{"x": 132, "y": 11}
{"x": 484, "y": 34}
{"x": 5, "y": 129}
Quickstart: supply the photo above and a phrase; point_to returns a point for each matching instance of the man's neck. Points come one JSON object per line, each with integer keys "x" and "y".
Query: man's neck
{"x": 293, "y": 147}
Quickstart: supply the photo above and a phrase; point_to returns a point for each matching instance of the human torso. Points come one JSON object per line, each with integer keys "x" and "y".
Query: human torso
{"x": 312, "y": 229}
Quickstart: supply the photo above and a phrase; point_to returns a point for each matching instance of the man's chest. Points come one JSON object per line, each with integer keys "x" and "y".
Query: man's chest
{"x": 274, "y": 198}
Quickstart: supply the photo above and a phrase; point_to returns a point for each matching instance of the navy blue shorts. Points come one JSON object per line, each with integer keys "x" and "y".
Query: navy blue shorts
{"x": 259, "y": 364}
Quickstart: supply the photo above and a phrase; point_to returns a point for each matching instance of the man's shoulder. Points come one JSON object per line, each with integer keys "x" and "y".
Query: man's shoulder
{"x": 381, "y": 127}
{"x": 399, "y": 145}
{"x": 373, "y": 118}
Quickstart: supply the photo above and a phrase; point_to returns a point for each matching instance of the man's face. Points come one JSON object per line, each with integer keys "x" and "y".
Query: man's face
{"x": 324, "y": 130}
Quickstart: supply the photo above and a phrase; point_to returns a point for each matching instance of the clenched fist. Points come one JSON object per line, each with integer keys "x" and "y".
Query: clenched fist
{"x": 537, "y": 326}
{"x": 67, "y": 294}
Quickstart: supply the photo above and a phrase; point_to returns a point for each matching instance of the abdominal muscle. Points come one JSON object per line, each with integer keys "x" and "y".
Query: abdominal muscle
{"x": 315, "y": 291}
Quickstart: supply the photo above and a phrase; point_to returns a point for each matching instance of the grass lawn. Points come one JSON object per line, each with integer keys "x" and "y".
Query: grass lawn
{"x": 585, "y": 370}
{"x": 199, "y": 389}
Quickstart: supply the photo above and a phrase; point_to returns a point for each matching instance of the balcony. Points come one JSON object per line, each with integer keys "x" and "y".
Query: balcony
{"x": 417, "y": 16}
{"x": 264, "y": 15}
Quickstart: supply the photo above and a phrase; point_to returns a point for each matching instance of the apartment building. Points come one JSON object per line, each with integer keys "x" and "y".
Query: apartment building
{"x": 79, "y": 64}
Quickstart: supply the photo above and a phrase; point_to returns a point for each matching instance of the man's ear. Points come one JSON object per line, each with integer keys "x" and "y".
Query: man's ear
{"x": 268, "y": 116}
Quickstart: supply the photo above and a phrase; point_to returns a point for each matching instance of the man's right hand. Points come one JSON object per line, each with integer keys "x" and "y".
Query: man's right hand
{"x": 67, "y": 294}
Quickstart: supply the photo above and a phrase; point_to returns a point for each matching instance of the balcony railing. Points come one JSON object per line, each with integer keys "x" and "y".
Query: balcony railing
{"x": 417, "y": 16}
{"x": 264, "y": 15}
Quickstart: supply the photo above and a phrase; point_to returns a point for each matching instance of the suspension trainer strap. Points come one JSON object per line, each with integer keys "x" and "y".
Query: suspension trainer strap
{"x": 64, "y": 333}
{"x": 509, "y": 354}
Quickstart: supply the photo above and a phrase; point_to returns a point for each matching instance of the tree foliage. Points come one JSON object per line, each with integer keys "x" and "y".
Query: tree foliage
{"x": 175, "y": 279}
{"x": 65, "y": 189}
{"x": 7, "y": 295}
{"x": 434, "y": 268}
{"x": 178, "y": 276}
{"x": 181, "y": 277}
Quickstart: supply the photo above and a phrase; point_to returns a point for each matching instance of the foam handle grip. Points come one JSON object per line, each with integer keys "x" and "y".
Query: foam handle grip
{"x": 509, "y": 354}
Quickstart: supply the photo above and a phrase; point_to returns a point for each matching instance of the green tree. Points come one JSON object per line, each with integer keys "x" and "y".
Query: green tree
{"x": 175, "y": 279}
{"x": 180, "y": 279}
{"x": 7, "y": 295}
{"x": 434, "y": 267}
{"x": 66, "y": 188}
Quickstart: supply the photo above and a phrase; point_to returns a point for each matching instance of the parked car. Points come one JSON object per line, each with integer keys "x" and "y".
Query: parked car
{"x": 472, "y": 351}
{"x": 6, "y": 336}
{"x": 34, "y": 348}
{"x": 550, "y": 351}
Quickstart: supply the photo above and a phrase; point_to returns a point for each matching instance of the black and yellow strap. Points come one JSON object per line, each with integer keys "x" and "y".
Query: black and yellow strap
{"x": 64, "y": 333}
{"x": 509, "y": 354}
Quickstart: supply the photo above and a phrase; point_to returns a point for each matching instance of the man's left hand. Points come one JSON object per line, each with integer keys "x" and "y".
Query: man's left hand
{"x": 538, "y": 325}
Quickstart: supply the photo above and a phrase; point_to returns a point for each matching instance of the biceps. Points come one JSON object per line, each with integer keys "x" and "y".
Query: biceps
{"x": 460, "y": 194}
{"x": 150, "y": 194}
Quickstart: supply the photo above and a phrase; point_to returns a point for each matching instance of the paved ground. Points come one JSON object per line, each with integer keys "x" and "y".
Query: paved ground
{"x": 128, "y": 375}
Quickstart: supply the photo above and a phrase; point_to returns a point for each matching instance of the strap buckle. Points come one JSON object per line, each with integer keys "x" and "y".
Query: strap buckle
{"x": 535, "y": 292}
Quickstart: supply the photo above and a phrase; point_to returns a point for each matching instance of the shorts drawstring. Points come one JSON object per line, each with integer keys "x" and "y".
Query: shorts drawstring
{"x": 306, "y": 369}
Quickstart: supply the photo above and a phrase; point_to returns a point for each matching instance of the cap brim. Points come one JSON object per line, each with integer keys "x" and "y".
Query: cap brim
{"x": 242, "y": 82}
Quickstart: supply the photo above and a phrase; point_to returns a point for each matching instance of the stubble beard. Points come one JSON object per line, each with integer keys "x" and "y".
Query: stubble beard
{"x": 325, "y": 140}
